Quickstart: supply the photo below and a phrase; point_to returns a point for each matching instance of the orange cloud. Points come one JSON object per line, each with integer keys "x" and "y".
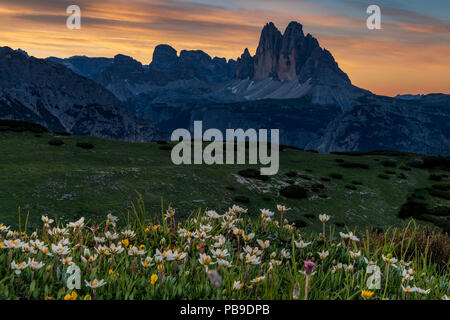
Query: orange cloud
{"x": 403, "y": 57}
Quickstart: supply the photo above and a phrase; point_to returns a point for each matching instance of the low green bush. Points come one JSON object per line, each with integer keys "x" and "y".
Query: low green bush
{"x": 294, "y": 191}
{"x": 55, "y": 142}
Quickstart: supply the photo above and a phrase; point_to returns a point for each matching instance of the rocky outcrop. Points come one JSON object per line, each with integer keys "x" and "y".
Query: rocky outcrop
{"x": 164, "y": 59}
{"x": 52, "y": 95}
{"x": 245, "y": 68}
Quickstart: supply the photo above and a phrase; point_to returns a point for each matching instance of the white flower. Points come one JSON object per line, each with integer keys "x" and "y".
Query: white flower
{"x": 46, "y": 220}
{"x": 111, "y": 220}
{"x": 285, "y": 254}
{"x": 170, "y": 213}
{"x": 111, "y": 236}
{"x": 237, "y": 285}
{"x": 77, "y": 224}
{"x": 99, "y": 239}
{"x": 94, "y": 284}
{"x": 409, "y": 289}
{"x": 323, "y": 254}
{"x": 389, "y": 259}
{"x": 213, "y": 214}
{"x": 223, "y": 263}
{"x": 324, "y": 218}
{"x": 128, "y": 234}
{"x": 422, "y": 291}
{"x": 301, "y": 244}
{"x": 355, "y": 254}
{"x": 252, "y": 259}
{"x": 18, "y": 267}
{"x": 13, "y": 244}
{"x": 220, "y": 254}
{"x": 33, "y": 264}
{"x": 116, "y": 249}
{"x": 266, "y": 213}
{"x": 60, "y": 249}
{"x": 264, "y": 245}
{"x": 135, "y": 251}
{"x": 258, "y": 279}
{"x": 282, "y": 208}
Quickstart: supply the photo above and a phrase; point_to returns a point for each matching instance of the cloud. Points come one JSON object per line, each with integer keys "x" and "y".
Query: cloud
{"x": 408, "y": 39}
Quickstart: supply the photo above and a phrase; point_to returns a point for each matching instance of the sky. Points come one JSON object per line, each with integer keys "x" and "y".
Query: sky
{"x": 410, "y": 54}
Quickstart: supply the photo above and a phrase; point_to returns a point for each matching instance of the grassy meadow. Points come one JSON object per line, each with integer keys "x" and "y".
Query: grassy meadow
{"x": 67, "y": 182}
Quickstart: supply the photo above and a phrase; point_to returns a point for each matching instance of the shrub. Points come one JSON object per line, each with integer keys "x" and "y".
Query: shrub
{"x": 390, "y": 172}
{"x": 335, "y": 175}
{"x": 352, "y": 165}
{"x": 416, "y": 163}
{"x": 440, "y": 194}
{"x": 294, "y": 191}
{"x": 325, "y": 179}
{"x": 308, "y": 170}
{"x": 21, "y": 126}
{"x": 436, "y": 162}
{"x": 443, "y": 186}
{"x": 339, "y": 160}
{"x": 412, "y": 208}
{"x": 383, "y": 176}
{"x": 253, "y": 174}
{"x": 358, "y": 183}
{"x": 440, "y": 211}
{"x": 290, "y": 181}
{"x": 323, "y": 195}
{"x": 405, "y": 168}
{"x": 305, "y": 177}
{"x": 389, "y": 163}
{"x": 435, "y": 177}
{"x": 350, "y": 187}
{"x": 62, "y": 133}
{"x": 230, "y": 188}
{"x": 402, "y": 176}
{"x": 291, "y": 174}
{"x": 300, "y": 223}
{"x": 242, "y": 199}
{"x": 55, "y": 142}
{"x": 318, "y": 186}
{"x": 85, "y": 145}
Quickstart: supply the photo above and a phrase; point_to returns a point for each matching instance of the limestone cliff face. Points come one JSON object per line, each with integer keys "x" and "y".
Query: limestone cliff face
{"x": 268, "y": 52}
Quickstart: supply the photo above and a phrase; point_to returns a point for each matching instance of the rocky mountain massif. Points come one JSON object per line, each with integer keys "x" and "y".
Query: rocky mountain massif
{"x": 50, "y": 94}
{"x": 291, "y": 83}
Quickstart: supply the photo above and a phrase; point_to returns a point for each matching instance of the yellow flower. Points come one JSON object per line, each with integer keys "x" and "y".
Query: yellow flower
{"x": 153, "y": 279}
{"x": 155, "y": 228}
{"x": 71, "y": 296}
{"x": 49, "y": 298}
{"x": 147, "y": 230}
{"x": 2, "y": 244}
{"x": 141, "y": 247}
{"x": 125, "y": 242}
{"x": 87, "y": 297}
{"x": 160, "y": 267}
{"x": 366, "y": 294}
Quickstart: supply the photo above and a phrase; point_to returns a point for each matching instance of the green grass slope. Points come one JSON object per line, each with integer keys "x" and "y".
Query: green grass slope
{"x": 67, "y": 182}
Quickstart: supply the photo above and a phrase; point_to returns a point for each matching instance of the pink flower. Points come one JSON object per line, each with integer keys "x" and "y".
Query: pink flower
{"x": 309, "y": 266}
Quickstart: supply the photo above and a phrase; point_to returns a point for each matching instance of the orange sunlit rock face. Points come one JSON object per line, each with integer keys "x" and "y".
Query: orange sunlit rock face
{"x": 406, "y": 56}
